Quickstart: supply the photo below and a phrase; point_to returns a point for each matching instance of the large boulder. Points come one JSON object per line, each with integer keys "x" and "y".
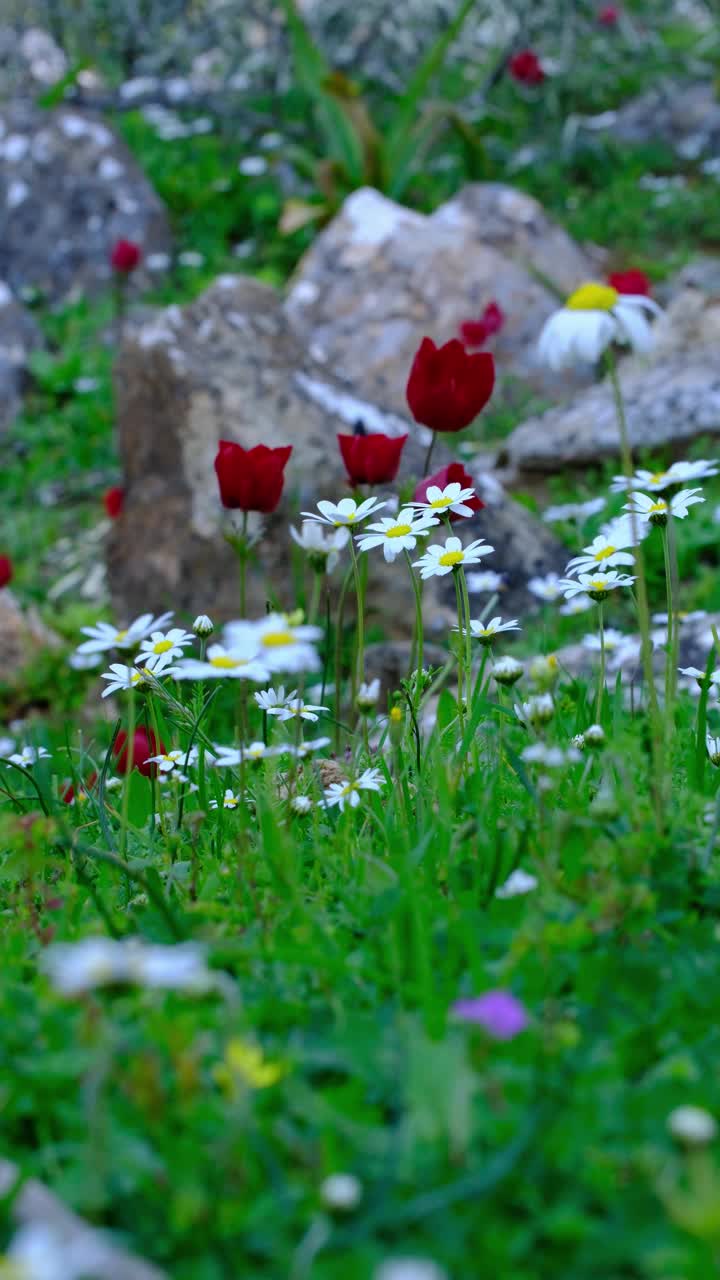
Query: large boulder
{"x": 671, "y": 397}
{"x": 19, "y": 336}
{"x": 380, "y": 276}
{"x": 228, "y": 365}
{"x": 69, "y": 188}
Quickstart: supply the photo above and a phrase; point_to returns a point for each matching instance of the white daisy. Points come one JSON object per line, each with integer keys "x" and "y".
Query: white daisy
{"x": 683, "y": 616}
{"x": 657, "y": 510}
{"x": 594, "y": 317}
{"x": 168, "y": 644}
{"x": 296, "y": 709}
{"x": 578, "y": 604}
{"x": 229, "y": 800}
{"x": 75, "y": 967}
{"x": 485, "y": 632}
{"x": 486, "y": 580}
{"x": 169, "y": 761}
{"x": 452, "y": 498}
{"x": 345, "y": 512}
{"x": 600, "y": 554}
{"x": 281, "y": 644}
{"x": 397, "y": 533}
{"x": 103, "y": 636}
{"x": 231, "y": 757}
{"x": 613, "y": 640}
{"x": 270, "y": 699}
{"x": 548, "y": 588}
{"x": 550, "y": 757}
{"x": 348, "y": 793}
{"x": 28, "y": 756}
{"x": 657, "y": 481}
{"x": 440, "y": 559}
{"x": 694, "y": 673}
{"x": 307, "y": 748}
{"x": 239, "y": 661}
{"x": 596, "y": 585}
{"x": 573, "y": 511}
{"x": 7, "y": 746}
{"x": 518, "y": 882}
{"x": 121, "y": 677}
{"x": 321, "y": 547}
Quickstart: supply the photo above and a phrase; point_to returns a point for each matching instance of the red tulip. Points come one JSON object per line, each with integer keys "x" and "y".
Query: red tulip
{"x": 525, "y": 67}
{"x": 455, "y": 473}
{"x": 371, "y": 459}
{"x": 125, "y": 257}
{"x": 475, "y": 333}
{"x": 447, "y": 387}
{"x": 609, "y": 16}
{"x": 6, "y": 571}
{"x": 113, "y": 500}
{"x": 632, "y": 281}
{"x": 144, "y": 746}
{"x": 251, "y": 479}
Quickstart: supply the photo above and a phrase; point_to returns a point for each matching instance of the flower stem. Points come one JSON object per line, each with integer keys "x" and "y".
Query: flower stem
{"x": 601, "y": 675}
{"x": 359, "y": 665}
{"x": 242, "y": 558}
{"x": 460, "y": 650}
{"x": 468, "y": 634}
{"x": 338, "y": 654}
{"x": 428, "y": 455}
{"x": 129, "y": 765}
{"x": 656, "y": 734}
{"x": 416, "y": 657}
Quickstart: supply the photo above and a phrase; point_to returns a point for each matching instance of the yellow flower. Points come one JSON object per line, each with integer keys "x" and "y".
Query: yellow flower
{"x": 244, "y": 1065}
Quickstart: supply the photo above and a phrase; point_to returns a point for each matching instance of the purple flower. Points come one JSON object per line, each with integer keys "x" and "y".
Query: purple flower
{"x": 502, "y": 1016}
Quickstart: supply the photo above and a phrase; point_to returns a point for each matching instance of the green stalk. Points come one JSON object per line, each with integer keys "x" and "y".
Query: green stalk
{"x": 338, "y": 654}
{"x": 359, "y": 664}
{"x": 670, "y": 627}
{"x": 428, "y": 455}
{"x": 468, "y": 634}
{"x": 460, "y": 650}
{"x": 129, "y": 766}
{"x": 601, "y": 675}
{"x": 656, "y": 727}
{"x": 418, "y": 641}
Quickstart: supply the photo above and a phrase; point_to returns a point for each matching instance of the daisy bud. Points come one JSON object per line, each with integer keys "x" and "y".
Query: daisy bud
{"x": 578, "y": 741}
{"x": 605, "y": 805}
{"x": 507, "y": 671}
{"x": 341, "y": 1192}
{"x": 693, "y": 1126}
{"x": 301, "y": 804}
{"x": 538, "y": 710}
{"x": 368, "y": 695}
{"x": 713, "y": 749}
{"x": 203, "y": 626}
{"x": 594, "y": 736}
{"x": 544, "y": 671}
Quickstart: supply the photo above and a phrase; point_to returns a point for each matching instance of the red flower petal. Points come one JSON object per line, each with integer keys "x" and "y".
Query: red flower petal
{"x": 250, "y": 479}
{"x": 371, "y": 459}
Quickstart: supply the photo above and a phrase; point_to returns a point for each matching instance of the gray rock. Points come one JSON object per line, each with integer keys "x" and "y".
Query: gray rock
{"x": 381, "y": 276}
{"x": 229, "y": 366}
{"x": 19, "y": 335}
{"x": 69, "y": 189}
{"x": 23, "y": 635}
{"x": 671, "y": 397}
{"x": 684, "y": 116}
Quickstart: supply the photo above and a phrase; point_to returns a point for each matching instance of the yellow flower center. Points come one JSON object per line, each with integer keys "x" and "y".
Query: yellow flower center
{"x": 120, "y": 635}
{"x": 225, "y": 663}
{"x": 605, "y": 552}
{"x": 552, "y": 661}
{"x": 348, "y": 789}
{"x": 660, "y": 505}
{"x": 658, "y": 476}
{"x": 162, "y": 646}
{"x": 396, "y": 715}
{"x": 347, "y": 520}
{"x": 275, "y": 639}
{"x": 452, "y": 557}
{"x": 398, "y": 531}
{"x": 439, "y": 503}
{"x": 593, "y": 297}
{"x": 137, "y": 676}
{"x": 598, "y": 584}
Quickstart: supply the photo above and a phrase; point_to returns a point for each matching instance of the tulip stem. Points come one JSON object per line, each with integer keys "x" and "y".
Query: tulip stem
{"x": 428, "y": 455}
{"x": 241, "y": 548}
